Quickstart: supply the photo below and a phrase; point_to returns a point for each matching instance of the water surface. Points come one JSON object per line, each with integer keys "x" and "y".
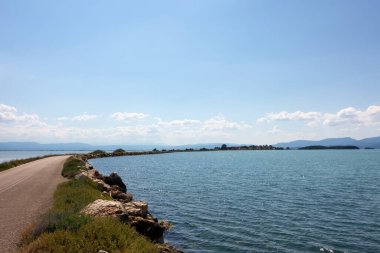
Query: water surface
{"x": 12, "y": 155}
{"x": 260, "y": 201}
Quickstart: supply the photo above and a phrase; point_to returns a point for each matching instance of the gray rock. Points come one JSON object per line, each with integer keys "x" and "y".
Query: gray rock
{"x": 80, "y": 176}
{"x": 102, "y": 186}
{"x": 166, "y": 248}
{"x": 115, "y": 179}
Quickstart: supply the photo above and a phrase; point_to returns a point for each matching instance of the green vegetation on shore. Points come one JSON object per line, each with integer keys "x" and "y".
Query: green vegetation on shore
{"x": 72, "y": 167}
{"x": 64, "y": 229}
{"x": 224, "y": 147}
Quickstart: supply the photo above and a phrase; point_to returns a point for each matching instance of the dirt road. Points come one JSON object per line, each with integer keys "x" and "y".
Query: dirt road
{"x": 26, "y": 192}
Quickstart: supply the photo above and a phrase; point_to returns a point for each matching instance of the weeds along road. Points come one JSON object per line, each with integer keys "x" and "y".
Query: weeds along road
{"x": 26, "y": 192}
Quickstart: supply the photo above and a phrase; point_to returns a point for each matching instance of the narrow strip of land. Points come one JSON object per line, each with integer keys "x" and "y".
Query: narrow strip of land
{"x": 26, "y": 192}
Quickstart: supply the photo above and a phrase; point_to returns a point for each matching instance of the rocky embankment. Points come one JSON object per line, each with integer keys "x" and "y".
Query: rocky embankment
{"x": 134, "y": 213}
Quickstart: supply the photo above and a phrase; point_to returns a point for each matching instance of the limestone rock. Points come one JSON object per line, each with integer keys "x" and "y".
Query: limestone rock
{"x": 136, "y": 208}
{"x": 100, "y": 208}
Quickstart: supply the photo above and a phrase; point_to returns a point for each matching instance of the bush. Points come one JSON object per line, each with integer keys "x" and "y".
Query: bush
{"x": 119, "y": 151}
{"x": 101, "y": 234}
{"x": 74, "y": 195}
{"x": 98, "y": 152}
{"x": 72, "y": 167}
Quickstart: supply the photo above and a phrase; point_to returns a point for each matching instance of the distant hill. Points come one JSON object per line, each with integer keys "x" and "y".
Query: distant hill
{"x": 373, "y": 142}
{"x": 327, "y": 147}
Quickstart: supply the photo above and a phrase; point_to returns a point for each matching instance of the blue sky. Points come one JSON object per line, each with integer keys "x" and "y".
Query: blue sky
{"x": 177, "y": 72}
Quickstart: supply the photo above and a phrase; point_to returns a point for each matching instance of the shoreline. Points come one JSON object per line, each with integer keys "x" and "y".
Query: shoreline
{"x": 120, "y": 152}
{"x": 92, "y": 212}
{"x": 125, "y": 207}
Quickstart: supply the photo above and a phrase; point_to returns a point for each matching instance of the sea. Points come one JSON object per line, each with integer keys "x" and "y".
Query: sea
{"x": 12, "y": 155}
{"x": 260, "y": 201}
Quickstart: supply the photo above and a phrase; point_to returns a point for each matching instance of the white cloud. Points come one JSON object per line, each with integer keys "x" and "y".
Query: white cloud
{"x": 275, "y": 130}
{"x": 9, "y": 114}
{"x": 84, "y": 117}
{"x": 81, "y": 117}
{"x": 120, "y": 116}
{"x": 217, "y": 128}
{"x": 290, "y": 116}
{"x": 352, "y": 115}
{"x": 178, "y": 123}
{"x": 349, "y": 115}
{"x": 219, "y": 123}
{"x": 352, "y": 122}
{"x": 177, "y": 131}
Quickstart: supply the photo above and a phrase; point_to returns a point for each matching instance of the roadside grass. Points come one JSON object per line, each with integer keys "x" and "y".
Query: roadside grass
{"x": 72, "y": 167}
{"x": 64, "y": 229}
{"x": 14, "y": 163}
{"x": 101, "y": 234}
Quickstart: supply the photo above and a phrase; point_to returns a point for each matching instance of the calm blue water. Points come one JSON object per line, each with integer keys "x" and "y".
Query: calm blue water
{"x": 260, "y": 201}
{"x": 11, "y": 155}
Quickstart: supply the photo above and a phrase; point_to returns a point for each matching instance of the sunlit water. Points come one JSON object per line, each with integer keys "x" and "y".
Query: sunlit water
{"x": 260, "y": 201}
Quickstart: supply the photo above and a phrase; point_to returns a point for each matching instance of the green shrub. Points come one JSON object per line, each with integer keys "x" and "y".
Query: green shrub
{"x": 98, "y": 152}
{"x": 55, "y": 220}
{"x": 74, "y": 195}
{"x": 119, "y": 151}
{"x": 72, "y": 167}
{"x": 100, "y": 234}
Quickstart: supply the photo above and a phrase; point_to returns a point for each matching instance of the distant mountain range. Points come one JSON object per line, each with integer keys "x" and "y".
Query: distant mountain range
{"x": 373, "y": 142}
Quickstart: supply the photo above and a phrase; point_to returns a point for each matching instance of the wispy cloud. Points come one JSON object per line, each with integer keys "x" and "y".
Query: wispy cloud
{"x": 290, "y": 116}
{"x": 220, "y": 123}
{"x": 217, "y": 123}
{"x": 178, "y": 123}
{"x": 84, "y": 117}
{"x": 129, "y": 128}
{"x": 121, "y": 116}
{"x": 349, "y": 115}
{"x": 175, "y": 131}
{"x": 275, "y": 130}
{"x": 81, "y": 117}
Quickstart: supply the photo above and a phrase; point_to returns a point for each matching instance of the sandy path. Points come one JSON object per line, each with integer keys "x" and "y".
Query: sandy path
{"x": 26, "y": 192}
